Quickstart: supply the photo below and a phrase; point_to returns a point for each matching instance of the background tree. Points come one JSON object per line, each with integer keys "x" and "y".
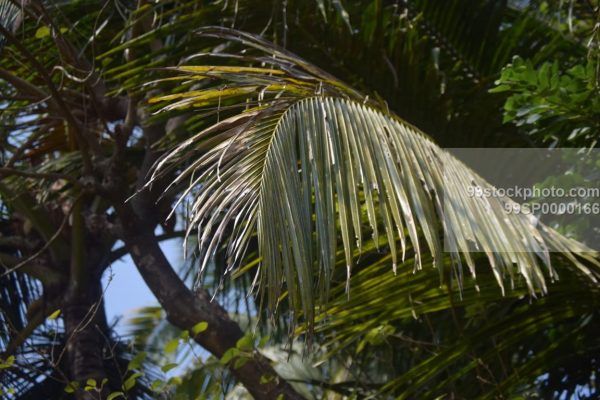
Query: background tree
{"x": 81, "y": 82}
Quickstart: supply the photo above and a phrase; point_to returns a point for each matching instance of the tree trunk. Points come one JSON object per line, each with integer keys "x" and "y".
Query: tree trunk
{"x": 86, "y": 338}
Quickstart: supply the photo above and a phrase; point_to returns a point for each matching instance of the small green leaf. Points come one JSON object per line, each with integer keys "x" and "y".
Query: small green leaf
{"x": 72, "y": 387}
{"x": 263, "y": 341}
{"x": 240, "y": 362}
{"x": 245, "y": 343}
{"x": 7, "y": 363}
{"x": 137, "y": 361}
{"x": 185, "y": 335}
{"x": 264, "y": 379}
{"x": 157, "y": 383}
{"x": 91, "y": 382}
{"x": 175, "y": 381}
{"x": 114, "y": 395}
{"x": 130, "y": 382}
{"x": 200, "y": 327}
{"x": 172, "y": 345}
{"x": 168, "y": 367}
{"x": 54, "y": 315}
{"x": 500, "y": 88}
{"x": 42, "y": 32}
{"x": 229, "y": 355}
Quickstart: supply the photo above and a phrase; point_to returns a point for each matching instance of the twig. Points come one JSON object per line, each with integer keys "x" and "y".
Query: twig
{"x": 6, "y": 172}
{"x": 21, "y": 149}
{"x": 22, "y": 85}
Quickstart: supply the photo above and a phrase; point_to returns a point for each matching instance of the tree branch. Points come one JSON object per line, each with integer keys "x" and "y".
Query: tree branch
{"x": 185, "y": 309}
{"x": 23, "y": 86}
{"x": 5, "y": 172}
{"x": 124, "y": 250}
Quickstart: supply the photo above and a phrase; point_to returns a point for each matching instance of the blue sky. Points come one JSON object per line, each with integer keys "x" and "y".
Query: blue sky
{"x": 125, "y": 289}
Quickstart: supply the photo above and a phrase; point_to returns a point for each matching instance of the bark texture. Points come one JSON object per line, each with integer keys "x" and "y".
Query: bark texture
{"x": 87, "y": 335}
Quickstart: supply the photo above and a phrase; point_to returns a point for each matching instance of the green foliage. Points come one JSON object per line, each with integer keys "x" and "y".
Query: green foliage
{"x": 71, "y": 387}
{"x": 199, "y": 327}
{"x": 438, "y": 331}
{"x": 131, "y": 380}
{"x": 42, "y": 32}
{"x": 137, "y": 360}
{"x": 168, "y": 367}
{"x": 172, "y": 345}
{"x": 7, "y": 363}
{"x": 173, "y": 363}
{"x": 555, "y": 107}
{"x": 115, "y": 395}
{"x": 54, "y": 315}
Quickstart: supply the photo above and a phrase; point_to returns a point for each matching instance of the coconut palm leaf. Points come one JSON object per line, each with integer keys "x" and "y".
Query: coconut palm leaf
{"x": 10, "y": 15}
{"x": 415, "y": 337}
{"x": 306, "y": 166}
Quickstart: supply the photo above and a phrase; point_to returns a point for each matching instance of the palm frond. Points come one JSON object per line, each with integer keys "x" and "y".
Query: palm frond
{"x": 10, "y": 15}
{"x": 417, "y": 336}
{"x": 311, "y": 165}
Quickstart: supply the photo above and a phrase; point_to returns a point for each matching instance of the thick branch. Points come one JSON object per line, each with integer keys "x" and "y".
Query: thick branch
{"x": 123, "y": 251}
{"x": 23, "y": 86}
{"x": 185, "y": 309}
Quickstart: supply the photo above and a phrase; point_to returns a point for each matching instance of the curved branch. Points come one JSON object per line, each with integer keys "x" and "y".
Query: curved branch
{"x": 185, "y": 309}
{"x": 124, "y": 250}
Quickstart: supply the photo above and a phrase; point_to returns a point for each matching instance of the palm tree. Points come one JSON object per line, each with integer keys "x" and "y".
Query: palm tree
{"x": 303, "y": 193}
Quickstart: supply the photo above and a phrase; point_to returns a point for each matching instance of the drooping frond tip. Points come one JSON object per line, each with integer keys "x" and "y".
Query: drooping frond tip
{"x": 316, "y": 179}
{"x": 10, "y": 15}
